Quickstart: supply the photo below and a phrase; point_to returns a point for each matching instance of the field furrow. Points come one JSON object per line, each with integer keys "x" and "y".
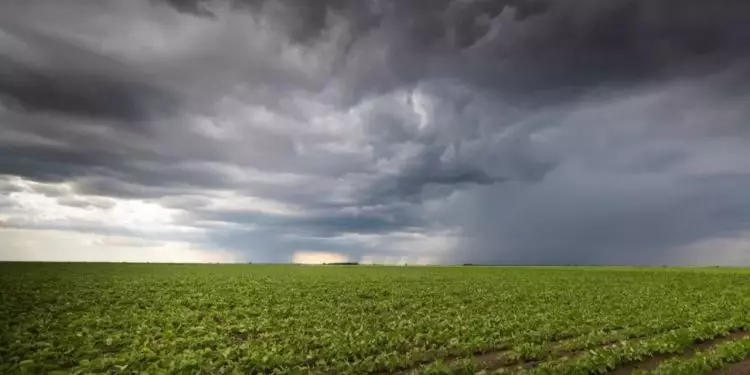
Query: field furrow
{"x": 529, "y": 354}
{"x": 687, "y": 353}
{"x": 611, "y": 358}
{"x": 730, "y": 357}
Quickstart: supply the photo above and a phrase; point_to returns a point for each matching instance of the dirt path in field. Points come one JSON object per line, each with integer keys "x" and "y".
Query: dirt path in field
{"x": 655, "y": 361}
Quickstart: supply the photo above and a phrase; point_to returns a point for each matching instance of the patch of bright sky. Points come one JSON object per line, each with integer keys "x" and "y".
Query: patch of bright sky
{"x": 31, "y": 205}
{"x": 729, "y": 251}
{"x": 68, "y": 246}
{"x": 318, "y": 257}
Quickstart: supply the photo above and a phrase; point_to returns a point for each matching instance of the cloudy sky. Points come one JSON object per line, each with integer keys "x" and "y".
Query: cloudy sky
{"x": 388, "y": 131}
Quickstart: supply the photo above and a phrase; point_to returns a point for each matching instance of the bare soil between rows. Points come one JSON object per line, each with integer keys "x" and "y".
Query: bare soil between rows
{"x": 655, "y": 361}
{"x": 739, "y": 368}
{"x": 496, "y": 360}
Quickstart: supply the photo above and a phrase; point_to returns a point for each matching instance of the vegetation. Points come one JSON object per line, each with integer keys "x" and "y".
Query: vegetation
{"x": 223, "y": 319}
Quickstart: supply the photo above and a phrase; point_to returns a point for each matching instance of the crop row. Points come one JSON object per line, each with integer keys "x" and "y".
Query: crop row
{"x": 601, "y": 358}
{"x": 610, "y": 358}
{"x": 529, "y": 354}
{"x": 704, "y": 362}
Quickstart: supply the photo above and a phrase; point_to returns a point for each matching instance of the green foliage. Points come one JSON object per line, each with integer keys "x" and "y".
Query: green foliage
{"x": 236, "y": 319}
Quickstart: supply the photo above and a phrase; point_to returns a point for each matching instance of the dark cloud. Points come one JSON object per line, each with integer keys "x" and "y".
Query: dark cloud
{"x": 186, "y": 202}
{"x": 626, "y": 220}
{"x": 577, "y": 44}
{"x": 197, "y": 7}
{"x": 421, "y": 179}
{"x": 520, "y": 46}
{"x": 643, "y": 185}
{"x": 86, "y": 202}
{"x": 40, "y": 72}
{"x": 572, "y": 131}
{"x": 330, "y": 223}
{"x": 79, "y": 95}
{"x": 50, "y": 164}
{"x": 109, "y": 187}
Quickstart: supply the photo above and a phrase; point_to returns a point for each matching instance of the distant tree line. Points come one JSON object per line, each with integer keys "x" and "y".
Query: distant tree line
{"x": 341, "y": 264}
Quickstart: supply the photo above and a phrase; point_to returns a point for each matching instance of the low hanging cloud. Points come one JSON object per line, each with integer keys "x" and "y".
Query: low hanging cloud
{"x": 445, "y": 131}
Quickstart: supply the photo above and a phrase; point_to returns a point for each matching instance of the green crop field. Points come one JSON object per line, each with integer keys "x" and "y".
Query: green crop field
{"x": 222, "y": 319}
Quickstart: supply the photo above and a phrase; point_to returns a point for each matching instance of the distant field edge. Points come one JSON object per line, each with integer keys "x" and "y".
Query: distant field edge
{"x": 408, "y": 266}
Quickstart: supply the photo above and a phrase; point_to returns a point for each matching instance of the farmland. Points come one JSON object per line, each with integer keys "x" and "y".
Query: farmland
{"x": 225, "y": 319}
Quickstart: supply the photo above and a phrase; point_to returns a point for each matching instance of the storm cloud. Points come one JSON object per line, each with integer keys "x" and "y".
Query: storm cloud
{"x": 440, "y": 131}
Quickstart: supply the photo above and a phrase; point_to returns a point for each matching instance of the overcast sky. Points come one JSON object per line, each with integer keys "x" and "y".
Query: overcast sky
{"x": 388, "y": 131}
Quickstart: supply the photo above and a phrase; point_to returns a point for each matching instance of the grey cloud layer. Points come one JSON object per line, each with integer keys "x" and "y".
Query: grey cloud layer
{"x": 544, "y": 132}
